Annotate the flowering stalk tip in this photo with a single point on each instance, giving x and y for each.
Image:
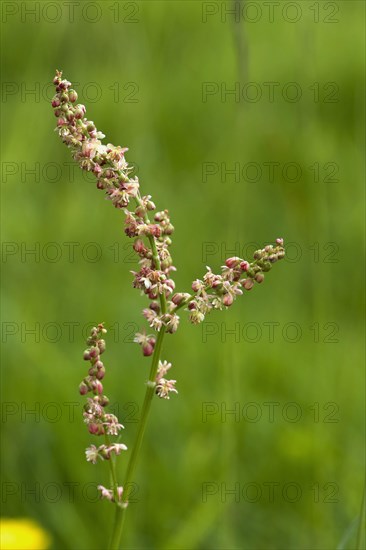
(151, 232)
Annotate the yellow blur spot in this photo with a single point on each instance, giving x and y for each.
(22, 534)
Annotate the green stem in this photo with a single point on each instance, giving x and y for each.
(112, 467)
(150, 390)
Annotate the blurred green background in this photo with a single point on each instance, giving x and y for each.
(153, 76)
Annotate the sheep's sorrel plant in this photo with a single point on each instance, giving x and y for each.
(154, 278)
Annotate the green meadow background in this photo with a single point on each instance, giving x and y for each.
(286, 468)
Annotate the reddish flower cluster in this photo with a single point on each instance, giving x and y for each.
(163, 386)
(151, 238)
(98, 421)
(219, 291)
(107, 162)
(112, 173)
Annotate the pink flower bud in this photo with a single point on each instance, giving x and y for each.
(259, 277)
(96, 429)
(154, 230)
(97, 387)
(279, 242)
(73, 96)
(86, 355)
(170, 283)
(101, 184)
(152, 293)
(248, 284)
(83, 388)
(177, 298)
(139, 246)
(101, 346)
(93, 352)
(55, 102)
(79, 111)
(216, 284)
(244, 266)
(168, 229)
(147, 350)
(196, 285)
(100, 374)
(232, 262)
(227, 300)
(103, 401)
(64, 84)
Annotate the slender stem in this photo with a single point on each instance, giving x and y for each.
(150, 390)
(112, 467)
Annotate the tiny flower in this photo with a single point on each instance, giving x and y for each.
(196, 317)
(198, 286)
(108, 493)
(105, 493)
(117, 448)
(147, 342)
(156, 323)
(164, 387)
(171, 321)
(162, 369)
(92, 454)
(112, 424)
